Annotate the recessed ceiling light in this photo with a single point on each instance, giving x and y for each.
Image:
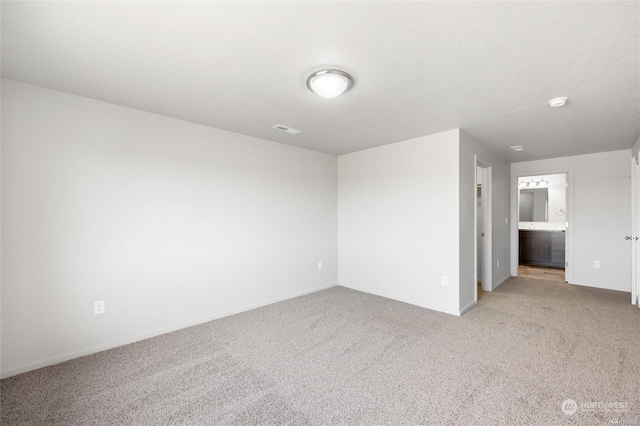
(287, 129)
(517, 148)
(329, 83)
(558, 102)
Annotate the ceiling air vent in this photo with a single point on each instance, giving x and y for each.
(286, 129)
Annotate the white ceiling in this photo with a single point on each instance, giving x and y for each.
(419, 67)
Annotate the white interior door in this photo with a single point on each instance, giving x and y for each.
(483, 237)
(480, 224)
(635, 225)
(486, 238)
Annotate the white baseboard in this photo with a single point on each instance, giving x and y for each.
(603, 287)
(466, 308)
(403, 300)
(471, 305)
(132, 339)
(499, 283)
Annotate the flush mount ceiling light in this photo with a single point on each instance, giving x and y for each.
(558, 102)
(329, 83)
(517, 148)
(287, 129)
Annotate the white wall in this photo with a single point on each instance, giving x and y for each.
(169, 222)
(635, 149)
(406, 218)
(500, 235)
(398, 208)
(600, 217)
(557, 190)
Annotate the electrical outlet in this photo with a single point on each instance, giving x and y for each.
(596, 263)
(498, 262)
(319, 265)
(445, 280)
(506, 220)
(98, 307)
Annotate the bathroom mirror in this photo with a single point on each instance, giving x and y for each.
(534, 205)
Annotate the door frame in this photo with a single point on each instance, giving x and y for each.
(486, 201)
(569, 232)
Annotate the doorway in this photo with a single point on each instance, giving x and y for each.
(542, 225)
(483, 240)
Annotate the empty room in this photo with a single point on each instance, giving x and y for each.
(319, 212)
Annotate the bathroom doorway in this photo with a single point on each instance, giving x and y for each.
(542, 225)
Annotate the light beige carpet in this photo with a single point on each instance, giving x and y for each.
(344, 357)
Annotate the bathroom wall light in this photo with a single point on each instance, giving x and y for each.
(329, 83)
(533, 183)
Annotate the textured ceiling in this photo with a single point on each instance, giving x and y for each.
(419, 67)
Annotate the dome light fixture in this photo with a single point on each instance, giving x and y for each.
(558, 102)
(329, 83)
